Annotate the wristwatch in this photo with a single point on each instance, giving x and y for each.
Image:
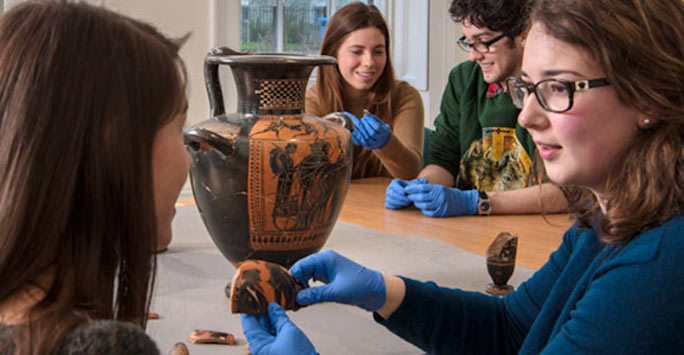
(484, 205)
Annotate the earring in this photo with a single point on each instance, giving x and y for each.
(645, 123)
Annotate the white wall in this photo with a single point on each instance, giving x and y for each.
(225, 31)
(212, 23)
(444, 55)
(176, 18)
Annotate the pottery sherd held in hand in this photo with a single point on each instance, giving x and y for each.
(258, 283)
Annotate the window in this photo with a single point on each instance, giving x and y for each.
(294, 26)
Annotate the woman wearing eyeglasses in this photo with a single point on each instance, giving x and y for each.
(602, 94)
(387, 114)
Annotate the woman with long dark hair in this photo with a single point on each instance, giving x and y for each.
(388, 113)
(92, 108)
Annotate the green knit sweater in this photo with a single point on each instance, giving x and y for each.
(477, 138)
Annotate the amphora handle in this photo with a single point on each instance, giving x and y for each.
(197, 139)
(211, 77)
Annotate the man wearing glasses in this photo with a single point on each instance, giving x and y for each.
(480, 158)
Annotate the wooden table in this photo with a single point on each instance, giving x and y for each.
(365, 205)
(538, 235)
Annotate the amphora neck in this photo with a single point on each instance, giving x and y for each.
(267, 84)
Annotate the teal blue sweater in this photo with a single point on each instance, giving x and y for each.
(588, 298)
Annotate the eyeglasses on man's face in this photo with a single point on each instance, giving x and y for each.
(480, 47)
(554, 95)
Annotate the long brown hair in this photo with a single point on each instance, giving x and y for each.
(640, 46)
(83, 93)
(329, 82)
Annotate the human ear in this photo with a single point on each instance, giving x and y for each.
(522, 37)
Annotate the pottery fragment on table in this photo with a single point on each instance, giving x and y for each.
(152, 316)
(202, 336)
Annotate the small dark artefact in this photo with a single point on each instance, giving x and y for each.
(201, 336)
(258, 283)
(501, 263)
(179, 349)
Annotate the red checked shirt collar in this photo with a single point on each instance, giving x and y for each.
(494, 89)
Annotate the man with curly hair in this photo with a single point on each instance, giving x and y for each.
(480, 158)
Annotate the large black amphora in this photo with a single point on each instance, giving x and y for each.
(269, 180)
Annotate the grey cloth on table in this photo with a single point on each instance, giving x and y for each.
(192, 274)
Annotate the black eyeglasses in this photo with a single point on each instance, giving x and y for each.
(480, 47)
(554, 95)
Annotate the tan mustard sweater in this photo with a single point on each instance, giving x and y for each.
(402, 156)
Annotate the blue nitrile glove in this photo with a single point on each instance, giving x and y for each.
(396, 197)
(442, 201)
(346, 281)
(274, 334)
(370, 131)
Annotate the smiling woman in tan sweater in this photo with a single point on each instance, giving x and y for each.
(363, 79)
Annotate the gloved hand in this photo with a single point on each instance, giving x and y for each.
(442, 201)
(346, 281)
(396, 197)
(369, 131)
(274, 334)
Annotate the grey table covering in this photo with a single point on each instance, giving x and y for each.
(189, 290)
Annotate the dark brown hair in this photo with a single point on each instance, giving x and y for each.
(506, 16)
(329, 82)
(640, 46)
(83, 93)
